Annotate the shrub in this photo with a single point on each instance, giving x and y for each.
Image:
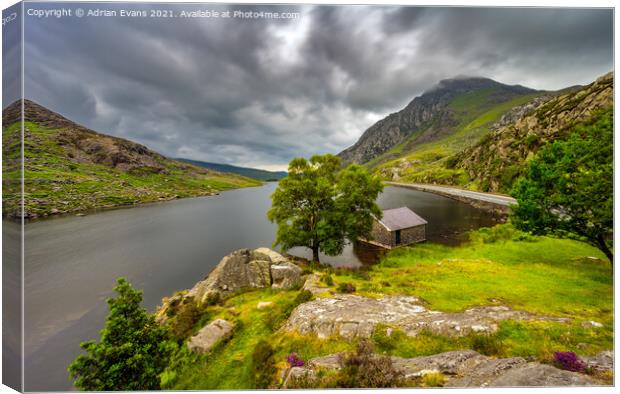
(213, 298)
(346, 288)
(359, 369)
(263, 364)
(451, 162)
(182, 325)
(381, 338)
(569, 361)
(327, 279)
(180, 360)
(487, 344)
(364, 369)
(301, 298)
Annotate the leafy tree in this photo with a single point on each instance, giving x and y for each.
(133, 350)
(320, 206)
(569, 186)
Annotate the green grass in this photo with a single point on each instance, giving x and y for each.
(56, 183)
(542, 275)
(230, 365)
(500, 266)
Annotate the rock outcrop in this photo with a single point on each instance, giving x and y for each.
(248, 269)
(313, 284)
(242, 269)
(462, 368)
(354, 316)
(210, 335)
(601, 363)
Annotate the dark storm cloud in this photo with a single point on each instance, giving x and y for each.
(259, 92)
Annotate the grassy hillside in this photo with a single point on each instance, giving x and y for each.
(500, 266)
(428, 162)
(254, 173)
(68, 168)
(498, 159)
(490, 145)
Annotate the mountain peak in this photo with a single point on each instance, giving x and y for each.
(34, 112)
(432, 115)
(463, 83)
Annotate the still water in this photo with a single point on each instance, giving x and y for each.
(72, 262)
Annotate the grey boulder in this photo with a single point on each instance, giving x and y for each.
(210, 335)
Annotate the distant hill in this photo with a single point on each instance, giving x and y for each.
(255, 173)
(69, 168)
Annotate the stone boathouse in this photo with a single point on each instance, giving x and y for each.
(399, 226)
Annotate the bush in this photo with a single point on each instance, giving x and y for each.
(263, 364)
(346, 288)
(182, 325)
(381, 338)
(180, 361)
(568, 361)
(451, 162)
(327, 279)
(213, 298)
(301, 298)
(364, 369)
(359, 369)
(487, 344)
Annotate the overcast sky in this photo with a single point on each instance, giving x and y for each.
(260, 92)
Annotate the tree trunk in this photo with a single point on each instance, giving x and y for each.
(602, 245)
(315, 253)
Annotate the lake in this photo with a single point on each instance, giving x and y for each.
(72, 262)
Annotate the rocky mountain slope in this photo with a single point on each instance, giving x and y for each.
(437, 113)
(491, 151)
(70, 168)
(493, 163)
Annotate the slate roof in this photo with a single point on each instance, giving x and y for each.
(401, 218)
